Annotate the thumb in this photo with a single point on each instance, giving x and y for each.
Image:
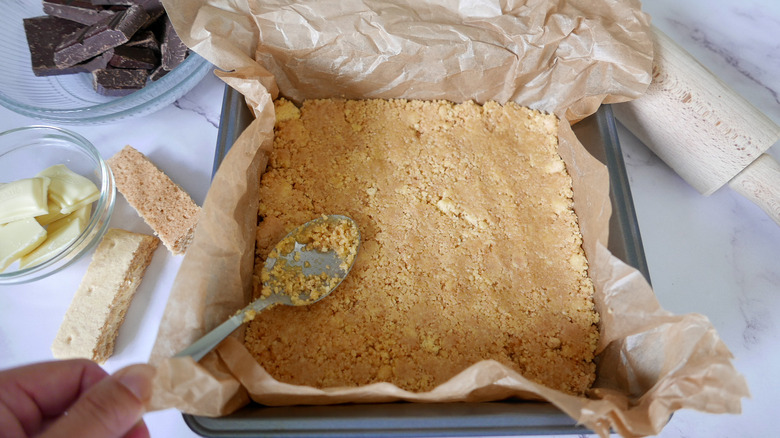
(108, 409)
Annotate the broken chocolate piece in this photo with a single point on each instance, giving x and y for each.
(43, 35)
(133, 57)
(80, 11)
(148, 5)
(174, 51)
(154, 8)
(113, 2)
(118, 81)
(92, 64)
(144, 39)
(105, 37)
(158, 73)
(99, 37)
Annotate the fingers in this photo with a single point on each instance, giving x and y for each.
(110, 408)
(10, 425)
(138, 431)
(98, 405)
(32, 394)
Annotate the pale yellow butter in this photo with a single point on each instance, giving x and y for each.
(69, 189)
(24, 198)
(81, 215)
(54, 214)
(58, 199)
(60, 234)
(19, 238)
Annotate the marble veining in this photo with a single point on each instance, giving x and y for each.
(740, 41)
(757, 318)
(757, 289)
(201, 100)
(186, 105)
(730, 54)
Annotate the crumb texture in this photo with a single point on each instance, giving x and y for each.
(98, 309)
(330, 239)
(470, 246)
(162, 204)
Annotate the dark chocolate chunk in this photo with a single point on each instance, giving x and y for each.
(118, 81)
(43, 35)
(99, 37)
(144, 39)
(146, 4)
(157, 73)
(123, 43)
(174, 51)
(133, 57)
(113, 2)
(154, 8)
(80, 11)
(98, 62)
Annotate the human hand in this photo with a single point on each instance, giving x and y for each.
(74, 398)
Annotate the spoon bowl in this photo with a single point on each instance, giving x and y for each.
(310, 261)
(303, 268)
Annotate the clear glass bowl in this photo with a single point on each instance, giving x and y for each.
(26, 151)
(70, 99)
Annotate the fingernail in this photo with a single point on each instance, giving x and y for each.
(138, 379)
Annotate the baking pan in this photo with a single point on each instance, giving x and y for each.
(513, 417)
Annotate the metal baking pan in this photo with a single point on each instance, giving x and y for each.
(513, 417)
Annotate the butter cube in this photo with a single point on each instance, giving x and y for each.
(19, 238)
(81, 215)
(69, 189)
(54, 214)
(24, 198)
(60, 234)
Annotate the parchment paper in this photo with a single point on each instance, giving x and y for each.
(563, 57)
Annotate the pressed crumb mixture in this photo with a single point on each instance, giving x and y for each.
(470, 246)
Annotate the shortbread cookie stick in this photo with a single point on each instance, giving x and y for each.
(162, 204)
(98, 309)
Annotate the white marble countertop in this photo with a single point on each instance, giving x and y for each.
(718, 255)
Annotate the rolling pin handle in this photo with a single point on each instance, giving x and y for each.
(703, 129)
(760, 183)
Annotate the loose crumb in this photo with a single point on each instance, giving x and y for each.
(249, 315)
(338, 235)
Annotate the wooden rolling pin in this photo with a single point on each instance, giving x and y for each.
(703, 130)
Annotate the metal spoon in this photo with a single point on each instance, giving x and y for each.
(300, 261)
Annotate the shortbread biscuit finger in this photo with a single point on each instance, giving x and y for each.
(98, 309)
(163, 205)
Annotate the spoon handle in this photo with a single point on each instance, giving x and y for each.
(208, 342)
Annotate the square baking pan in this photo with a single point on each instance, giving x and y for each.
(512, 417)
